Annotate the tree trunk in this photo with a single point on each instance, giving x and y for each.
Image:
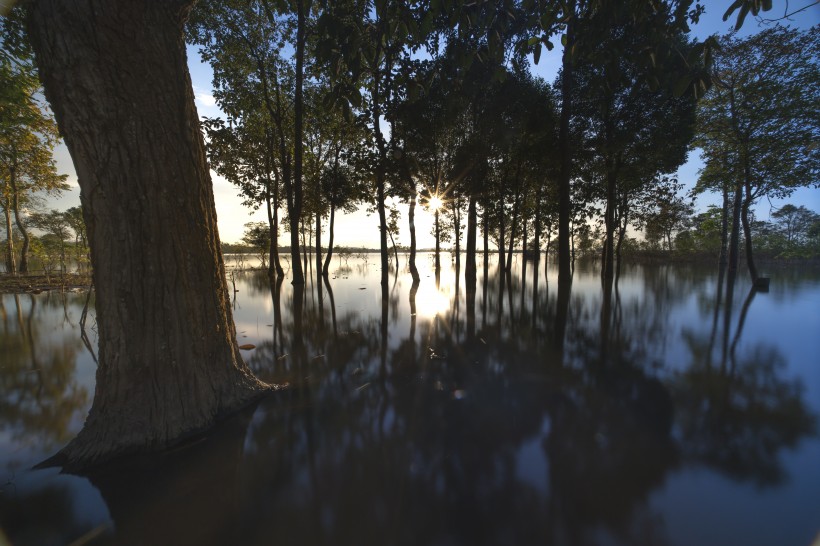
(298, 107)
(470, 267)
(169, 364)
(734, 241)
(11, 263)
(330, 228)
(457, 222)
(411, 215)
(274, 267)
(501, 235)
(608, 265)
(747, 233)
(438, 242)
(724, 228)
(485, 221)
(15, 203)
(318, 245)
(537, 237)
(564, 204)
(622, 223)
(513, 226)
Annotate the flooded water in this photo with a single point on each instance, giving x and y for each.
(518, 414)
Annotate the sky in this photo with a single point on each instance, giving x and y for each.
(361, 229)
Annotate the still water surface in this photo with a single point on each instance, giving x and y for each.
(511, 416)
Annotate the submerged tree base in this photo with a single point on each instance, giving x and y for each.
(97, 445)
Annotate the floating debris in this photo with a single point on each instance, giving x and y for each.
(247, 347)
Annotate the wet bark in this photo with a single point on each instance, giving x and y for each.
(117, 79)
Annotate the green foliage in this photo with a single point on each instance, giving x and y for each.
(758, 125)
(257, 236)
(793, 233)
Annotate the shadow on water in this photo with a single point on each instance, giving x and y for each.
(554, 417)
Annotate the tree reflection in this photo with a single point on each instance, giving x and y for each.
(553, 419)
(740, 415)
(39, 394)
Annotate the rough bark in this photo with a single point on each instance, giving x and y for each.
(116, 76)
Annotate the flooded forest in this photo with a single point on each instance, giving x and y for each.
(484, 306)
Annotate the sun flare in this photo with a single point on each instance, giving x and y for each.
(435, 202)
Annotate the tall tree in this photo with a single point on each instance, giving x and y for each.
(28, 134)
(757, 125)
(243, 42)
(581, 24)
(361, 43)
(169, 363)
(632, 133)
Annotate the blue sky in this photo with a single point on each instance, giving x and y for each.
(361, 229)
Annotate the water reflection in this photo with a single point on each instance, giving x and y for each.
(504, 409)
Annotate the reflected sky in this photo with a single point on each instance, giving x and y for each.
(452, 415)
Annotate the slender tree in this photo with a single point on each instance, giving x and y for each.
(756, 117)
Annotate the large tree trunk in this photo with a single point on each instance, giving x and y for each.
(116, 76)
